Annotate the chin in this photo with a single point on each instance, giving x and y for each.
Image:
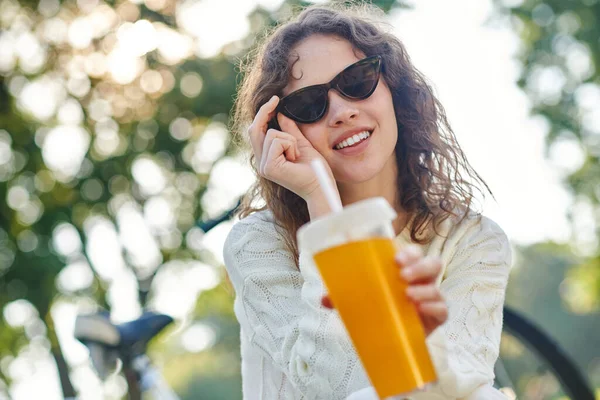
(362, 170)
(357, 175)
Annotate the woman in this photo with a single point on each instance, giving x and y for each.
(376, 124)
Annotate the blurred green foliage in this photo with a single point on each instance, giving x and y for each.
(539, 290)
(560, 54)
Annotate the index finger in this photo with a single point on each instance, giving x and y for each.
(264, 114)
(257, 129)
(427, 270)
(289, 126)
(409, 255)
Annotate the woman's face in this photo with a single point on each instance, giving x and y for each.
(320, 58)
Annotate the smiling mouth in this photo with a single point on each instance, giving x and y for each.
(353, 140)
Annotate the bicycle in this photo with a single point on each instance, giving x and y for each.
(108, 343)
(557, 376)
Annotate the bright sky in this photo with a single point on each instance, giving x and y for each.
(472, 68)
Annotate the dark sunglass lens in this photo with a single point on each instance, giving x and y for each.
(307, 105)
(359, 81)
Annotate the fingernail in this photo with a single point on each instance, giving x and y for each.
(401, 257)
(412, 250)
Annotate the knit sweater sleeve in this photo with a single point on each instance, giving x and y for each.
(279, 310)
(466, 347)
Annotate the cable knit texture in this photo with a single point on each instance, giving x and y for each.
(294, 348)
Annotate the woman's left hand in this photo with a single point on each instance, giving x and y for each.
(421, 274)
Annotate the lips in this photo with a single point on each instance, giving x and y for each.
(354, 149)
(347, 135)
(353, 140)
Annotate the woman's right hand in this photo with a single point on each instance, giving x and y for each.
(285, 156)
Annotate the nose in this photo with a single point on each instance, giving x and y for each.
(341, 110)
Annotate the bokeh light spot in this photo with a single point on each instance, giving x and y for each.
(17, 197)
(92, 189)
(191, 84)
(151, 81)
(64, 148)
(198, 337)
(74, 277)
(148, 174)
(180, 129)
(17, 313)
(27, 241)
(66, 240)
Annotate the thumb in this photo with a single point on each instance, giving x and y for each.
(289, 126)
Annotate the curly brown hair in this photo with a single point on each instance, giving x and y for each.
(435, 180)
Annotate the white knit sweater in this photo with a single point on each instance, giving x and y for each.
(293, 348)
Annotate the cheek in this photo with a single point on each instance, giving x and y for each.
(314, 134)
(382, 105)
(386, 115)
(386, 102)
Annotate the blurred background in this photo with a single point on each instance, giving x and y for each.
(114, 144)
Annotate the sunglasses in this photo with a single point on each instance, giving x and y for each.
(356, 82)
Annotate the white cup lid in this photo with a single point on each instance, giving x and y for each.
(356, 221)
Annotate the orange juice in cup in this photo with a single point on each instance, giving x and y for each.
(354, 253)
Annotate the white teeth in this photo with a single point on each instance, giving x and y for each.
(353, 140)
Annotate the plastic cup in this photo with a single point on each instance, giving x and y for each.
(354, 253)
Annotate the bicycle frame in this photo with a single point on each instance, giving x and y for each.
(152, 381)
(142, 377)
